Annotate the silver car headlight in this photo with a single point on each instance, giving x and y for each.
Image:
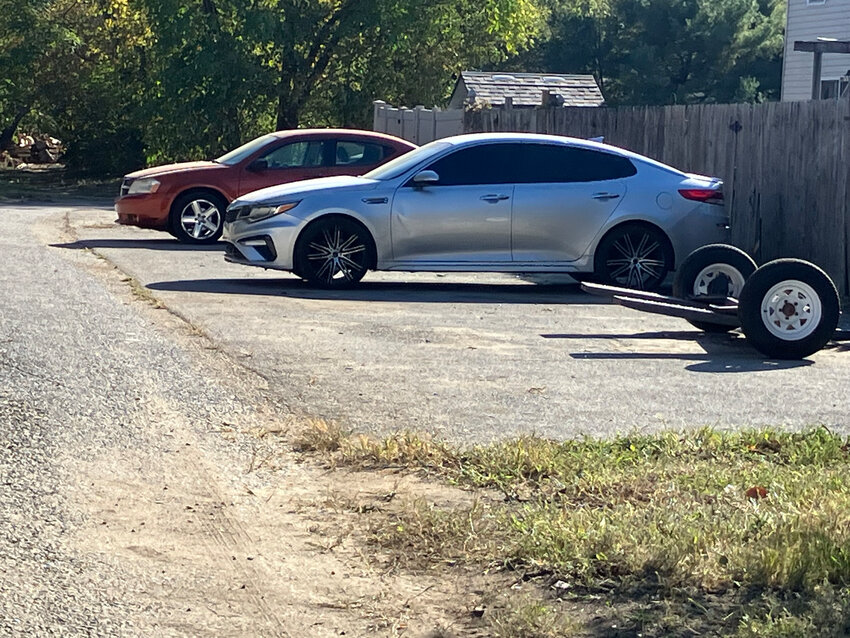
(143, 186)
(258, 213)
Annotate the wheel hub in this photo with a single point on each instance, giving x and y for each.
(791, 310)
(636, 259)
(718, 280)
(200, 219)
(336, 255)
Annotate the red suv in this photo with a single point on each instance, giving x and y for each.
(189, 199)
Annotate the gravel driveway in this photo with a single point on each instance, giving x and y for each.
(85, 384)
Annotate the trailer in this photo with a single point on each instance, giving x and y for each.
(787, 308)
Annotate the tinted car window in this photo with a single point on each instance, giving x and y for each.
(396, 167)
(351, 153)
(483, 164)
(547, 163)
(296, 154)
(238, 154)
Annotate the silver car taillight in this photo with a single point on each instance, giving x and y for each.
(707, 195)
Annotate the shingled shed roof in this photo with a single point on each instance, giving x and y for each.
(526, 89)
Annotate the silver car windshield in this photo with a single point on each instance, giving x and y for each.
(238, 154)
(403, 163)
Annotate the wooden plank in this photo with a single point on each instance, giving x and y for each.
(823, 46)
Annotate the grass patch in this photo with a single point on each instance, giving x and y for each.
(526, 617)
(53, 184)
(721, 533)
(142, 293)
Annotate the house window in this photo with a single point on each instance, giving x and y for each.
(811, 2)
(834, 89)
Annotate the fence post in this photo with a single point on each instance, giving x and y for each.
(379, 113)
(434, 112)
(417, 118)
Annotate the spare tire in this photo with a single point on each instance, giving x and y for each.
(715, 270)
(789, 309)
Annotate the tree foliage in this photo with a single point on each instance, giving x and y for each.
(128, 81)
(65, 63)
(670, 51)
(226, 69)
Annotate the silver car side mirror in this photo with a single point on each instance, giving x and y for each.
(424, 178)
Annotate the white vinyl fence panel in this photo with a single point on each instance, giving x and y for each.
(418, 125)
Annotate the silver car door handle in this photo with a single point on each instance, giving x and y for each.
(494, 198)
(375, 200)
(605, 196)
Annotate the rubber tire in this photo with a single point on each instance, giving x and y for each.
(169, 227)
(601, 273)
(753, 294)
(686, 274)
(176, 228)
(306, 268)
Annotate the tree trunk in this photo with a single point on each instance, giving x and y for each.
(287, 113)
(8, 133)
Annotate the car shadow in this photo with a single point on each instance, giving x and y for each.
(682, 335)
(144, 244)
(724, 353)
(402, 291)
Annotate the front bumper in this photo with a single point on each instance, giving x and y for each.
(268, 244)
(146, 211)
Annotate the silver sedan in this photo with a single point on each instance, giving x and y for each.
(497, 202)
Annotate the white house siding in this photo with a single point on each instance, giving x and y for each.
(830, 19)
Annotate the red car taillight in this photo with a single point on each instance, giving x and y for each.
(707, 195)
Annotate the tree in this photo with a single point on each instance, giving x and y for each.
(413, 53)
(203, 90)
(27, 40)
(223, 70)
(670, 51)
(66, 66)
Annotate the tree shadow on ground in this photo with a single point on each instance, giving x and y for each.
(652, 611)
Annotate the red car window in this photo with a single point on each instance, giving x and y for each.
(356, 153)
(295, 155)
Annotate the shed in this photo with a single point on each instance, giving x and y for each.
(525, 89)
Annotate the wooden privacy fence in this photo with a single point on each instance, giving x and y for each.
(784, 164)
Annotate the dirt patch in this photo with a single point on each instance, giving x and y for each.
(288, 554)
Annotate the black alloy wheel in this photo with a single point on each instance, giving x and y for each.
(334, 252)
(633, 256)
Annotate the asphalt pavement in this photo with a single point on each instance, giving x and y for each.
(472, 357)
